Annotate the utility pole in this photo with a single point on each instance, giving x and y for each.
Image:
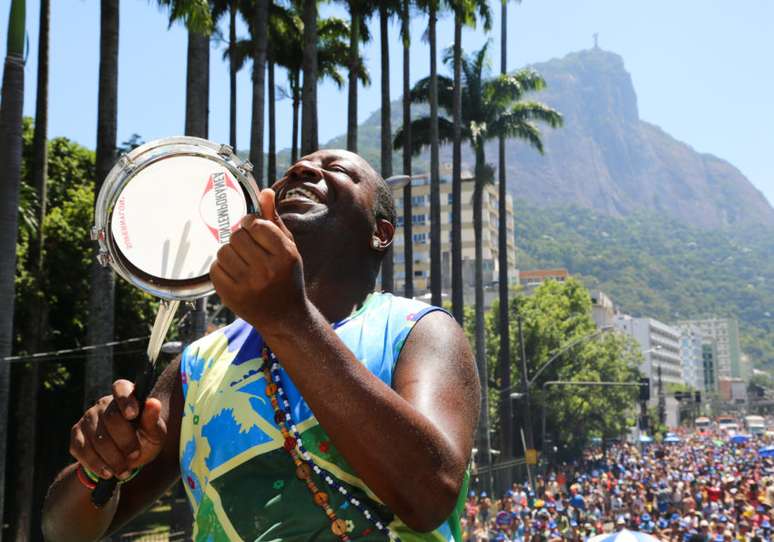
(661, 399)
(525, 390)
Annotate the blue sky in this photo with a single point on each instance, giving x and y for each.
(701, 69)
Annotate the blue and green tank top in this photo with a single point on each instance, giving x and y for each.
(240, 481)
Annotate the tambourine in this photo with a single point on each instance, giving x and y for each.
(165, 209)
(161, 216)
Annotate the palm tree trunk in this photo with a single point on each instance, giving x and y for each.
(354, 61)
(435, 189)
(502, 255)
(232, 140)
(197, 85)
(456, 227)
(388, 266)
(484, 437)
(197, 92)
(271, 171)
(294, 86)
(27, 403)
(11, 109)
(408, 233)
(309, 142)
(260, 27)
(99, 363)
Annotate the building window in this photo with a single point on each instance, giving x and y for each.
(418, 219)
(451, 198)
(419, 273)
(417, 200)
(420, 238)
(399, 221)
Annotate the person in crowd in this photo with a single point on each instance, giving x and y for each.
(702, 488)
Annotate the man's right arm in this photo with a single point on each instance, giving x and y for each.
(106, 438)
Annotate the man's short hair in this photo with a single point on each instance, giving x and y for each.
(384, 206)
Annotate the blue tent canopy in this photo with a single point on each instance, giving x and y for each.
(739, 439)
(768, 451)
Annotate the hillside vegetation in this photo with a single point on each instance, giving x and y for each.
(651, 265)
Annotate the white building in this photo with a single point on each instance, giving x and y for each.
(724, 332)
(420, 220)
(692, 353)
(660, 346)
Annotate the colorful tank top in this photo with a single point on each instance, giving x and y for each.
(240, 481)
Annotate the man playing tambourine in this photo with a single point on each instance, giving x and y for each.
(325, 411)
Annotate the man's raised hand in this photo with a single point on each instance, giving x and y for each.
(259, 274)
(107, 442)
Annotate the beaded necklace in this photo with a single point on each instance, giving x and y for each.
(303, 460)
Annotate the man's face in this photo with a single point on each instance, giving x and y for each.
(325, 187)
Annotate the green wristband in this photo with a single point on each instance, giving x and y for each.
(91, 475)
(135, 472)
(94, 477)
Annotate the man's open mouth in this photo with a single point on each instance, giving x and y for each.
(299, 193)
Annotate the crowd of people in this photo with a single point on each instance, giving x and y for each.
(701, 486)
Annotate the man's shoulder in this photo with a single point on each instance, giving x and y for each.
(398, 306)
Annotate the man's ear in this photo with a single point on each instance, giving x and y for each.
(382, 236)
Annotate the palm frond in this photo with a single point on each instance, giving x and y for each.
(530, 80)
(420, 92)
(243, 50)
(195, 14)
(517, 127)
(332, 28)
(420, 134)
(537, 111)
(502, 90)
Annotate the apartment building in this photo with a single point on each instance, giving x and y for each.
(420, 216)
(660, 347)
(724, 332)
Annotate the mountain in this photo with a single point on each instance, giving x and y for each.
(666, 231)
(605, 158)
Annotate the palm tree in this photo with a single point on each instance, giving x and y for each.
(309, 140)
(435, 180)
(99, 363)
(464, 13)
(503, 319)
(11, 157)
(286, 50)
(259, 29)
(490, 107)
(359, 12)
(219, 8)
(408, 252)
(26, 404)
(386, 10)
(271, 169)
(197, 16)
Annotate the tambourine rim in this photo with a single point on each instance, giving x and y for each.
(128, 168)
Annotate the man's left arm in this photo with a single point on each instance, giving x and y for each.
(410, 443)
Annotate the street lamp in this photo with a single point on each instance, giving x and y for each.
(661, 397)
(527, 383)
(388, 266)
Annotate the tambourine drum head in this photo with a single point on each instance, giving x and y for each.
(170, 219)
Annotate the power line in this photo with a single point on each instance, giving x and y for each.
(58, 353)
